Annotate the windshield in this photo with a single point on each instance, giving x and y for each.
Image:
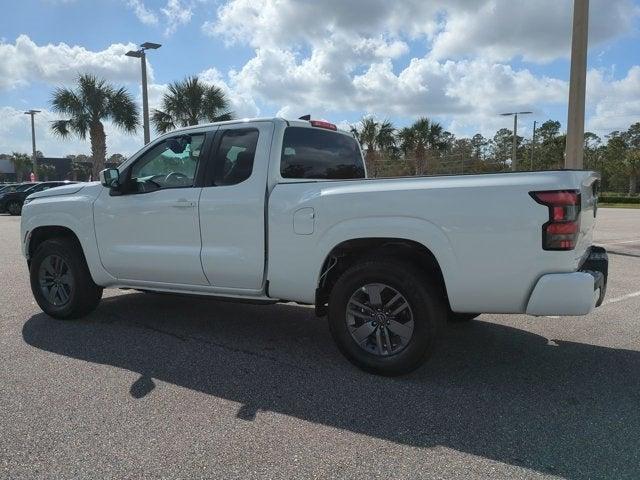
(32, 188)
(24, 187)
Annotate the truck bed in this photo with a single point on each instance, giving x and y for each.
(484, 230)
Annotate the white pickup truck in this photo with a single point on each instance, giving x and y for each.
(271, 210)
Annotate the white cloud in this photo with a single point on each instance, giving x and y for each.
(337, 56)
(613, 104)
(494, 29)
(269, 23)
(472, 90)
(176, 13)
(538, 31)
(15, 135)
(145, 15)
(242, 103)
(25, 62)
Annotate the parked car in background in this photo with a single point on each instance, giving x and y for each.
(18, 187)
(8, 187)
(12, 202)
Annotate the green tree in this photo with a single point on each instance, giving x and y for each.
(632, 136)
(593, 153)
(631, 167)
(613, 167)
(189, 102)
(422, 144)
(378, 141)
(91, 103)
(501, 149)
(479, 145)
(22, 165)
(117, 158)
(46, 172)
(459, 157)
(550, 146)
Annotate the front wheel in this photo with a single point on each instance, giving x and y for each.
(385, 316)
(61, 282)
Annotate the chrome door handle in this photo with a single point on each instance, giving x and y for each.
(183, 203)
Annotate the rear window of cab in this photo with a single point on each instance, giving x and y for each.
(312, 153)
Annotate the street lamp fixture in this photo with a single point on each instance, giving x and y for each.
(514, 154)
(34, 158)
(145, 98)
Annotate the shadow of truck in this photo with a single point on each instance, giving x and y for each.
(561, 408)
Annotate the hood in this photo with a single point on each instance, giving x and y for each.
(63, 190)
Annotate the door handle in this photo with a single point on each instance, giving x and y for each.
(184, 203)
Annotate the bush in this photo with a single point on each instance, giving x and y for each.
(618, 199)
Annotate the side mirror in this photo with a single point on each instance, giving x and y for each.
(110, 178)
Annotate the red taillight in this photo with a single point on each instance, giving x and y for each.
(562, 229)
(323, 124)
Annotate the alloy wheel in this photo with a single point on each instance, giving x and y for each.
(380, 319)
(56, 281)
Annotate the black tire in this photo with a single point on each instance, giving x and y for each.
(14, 208)
(425, 301)
(462, 317)
(83, 296)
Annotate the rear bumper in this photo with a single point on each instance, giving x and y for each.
(575, 293)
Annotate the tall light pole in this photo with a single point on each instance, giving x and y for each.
(34, 158)
(514, 154)
(533, 142)
(145, 99)
(577, 85)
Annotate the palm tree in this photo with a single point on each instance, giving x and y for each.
(188, 102)
(422, 139)
(88, 106)
(376, 139)
(407, 140)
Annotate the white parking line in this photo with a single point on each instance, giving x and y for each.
(622, 298)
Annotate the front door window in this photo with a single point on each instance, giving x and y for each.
(172, 163)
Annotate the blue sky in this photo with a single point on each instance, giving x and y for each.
(459, 61)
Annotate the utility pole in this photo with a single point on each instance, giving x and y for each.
(514, 154)
(145, 99)
(574, 152)
(34, 158)
(533, 142)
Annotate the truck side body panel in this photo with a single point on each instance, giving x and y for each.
(484, 230)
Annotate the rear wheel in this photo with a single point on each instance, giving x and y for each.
(385, 316)
(14, 208)
(61, 282)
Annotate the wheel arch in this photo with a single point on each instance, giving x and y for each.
(47, 232)
(34, 234)
(349, 252)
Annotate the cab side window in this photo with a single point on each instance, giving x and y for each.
(234, 157)
(172, 163)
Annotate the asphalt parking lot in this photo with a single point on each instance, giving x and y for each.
(154, 386)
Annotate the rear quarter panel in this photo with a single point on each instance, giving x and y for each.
(484, 230)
